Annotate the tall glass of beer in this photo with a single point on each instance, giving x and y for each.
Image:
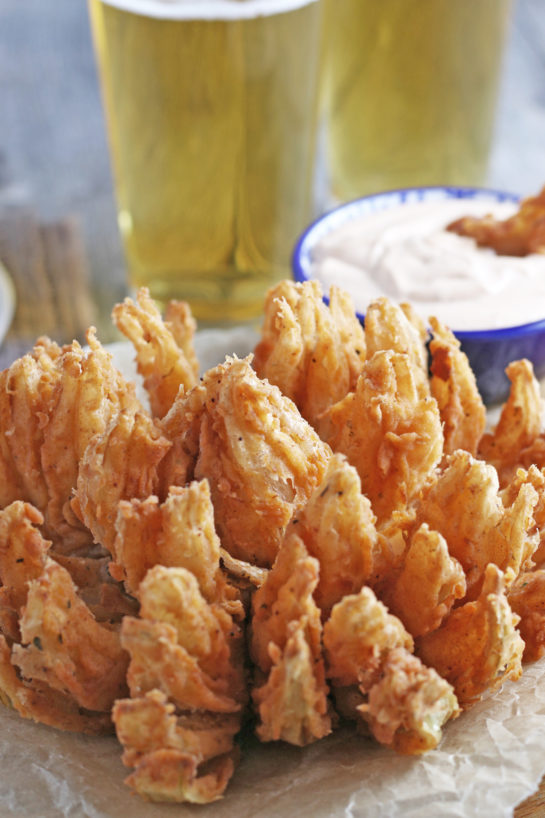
(409, 91)
(211, 107)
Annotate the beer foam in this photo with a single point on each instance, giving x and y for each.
(208, 9)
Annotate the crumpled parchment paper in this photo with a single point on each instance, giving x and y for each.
(491, 758)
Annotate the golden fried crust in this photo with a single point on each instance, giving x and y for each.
(464, 506)
(286, 646)
(26, 395)
(398, 328)
(184, 646)
(177, 533)
(23, 555)
(285, 596)
(526, 597)
(519, 427)
(149, 723)
(454, 387)
(36, 700)
(312, 352)
(64, 646)
(478, 646)
(292, 704)
(357, 637)
(205, 630)
(121, 462)
(408, 706)
(162, 363)
(519, 235)
(337, 527)
(261, 458)
(157, 661)
(390, 434)
(536, 478)
(172, 776)
(187, 683)
(429, 583)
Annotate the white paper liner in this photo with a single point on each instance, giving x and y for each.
(491, 758)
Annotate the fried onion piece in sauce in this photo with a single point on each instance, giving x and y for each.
(165, 365)
(478, 646)
(519, 235)
(454, 387)
(388, 432)
(311, 351)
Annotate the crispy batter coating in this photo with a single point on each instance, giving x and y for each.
(261, 458)
(464, 506)
(183, 646)
(26, 396)
(166, 749)
(389, 326)
(519, 235)
(387, 431)
(120, 463)
(520, 425)
(313, 352)
(285, 596)
(527, 599)
(150, 723)
(292, 704)
(89, 393)
(357, 637)
(187, 683)
(409, 705)
(429, 583)
(478, 646)
(536, 478)
(23, 555)
(337, 527)
(285, 645)
(177, 533)
(36, 700)
(162, 362)
(454, 387)
(65, 647)
(171, 776)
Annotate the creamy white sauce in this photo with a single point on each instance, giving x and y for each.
(406, 253)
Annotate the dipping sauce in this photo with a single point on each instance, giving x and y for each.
(404, 252)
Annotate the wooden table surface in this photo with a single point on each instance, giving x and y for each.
(58, 234)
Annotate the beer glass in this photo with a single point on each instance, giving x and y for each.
(211, 108)
(409, 91)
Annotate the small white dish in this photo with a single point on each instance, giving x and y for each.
(7, 302)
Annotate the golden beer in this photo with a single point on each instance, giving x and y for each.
(211, 110)
(409, 91)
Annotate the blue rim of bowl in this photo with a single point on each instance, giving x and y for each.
(321, 226)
